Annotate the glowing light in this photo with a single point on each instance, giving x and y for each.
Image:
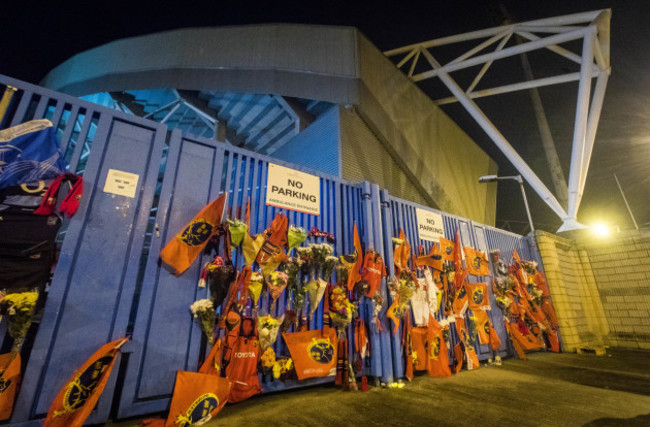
(600, 229)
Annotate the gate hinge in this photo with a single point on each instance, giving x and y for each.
(365, 196)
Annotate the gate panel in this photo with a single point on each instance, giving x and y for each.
(92, 287)
(165, 337)
(400, 214)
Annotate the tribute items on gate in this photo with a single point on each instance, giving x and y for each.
(430, 288)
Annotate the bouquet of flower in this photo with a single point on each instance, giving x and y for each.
(503, 302)
(320, 252)
(276, 282)
(342, 273)
(237, 230)
(295, 237)
(307, 260)
(19, 307)
(341, 309)
(267, 361)
(267, 330)
(291, 267)
(328, 267)
(219, 276)
(255, 287)
(282, 366)
(203, 310)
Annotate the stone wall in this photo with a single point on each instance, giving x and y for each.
(600, 288)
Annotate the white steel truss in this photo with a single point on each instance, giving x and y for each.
(590, 27)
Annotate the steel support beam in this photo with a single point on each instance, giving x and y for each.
(498, 139)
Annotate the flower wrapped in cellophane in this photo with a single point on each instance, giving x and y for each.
(255, 288)
(341, 309)
(276, 282)
(329, 264)
(237, 230)
(267, 330)
(320, 252)
(19, 308)
(218, 276)
(315, 290)
(203, 310)
(295, 237)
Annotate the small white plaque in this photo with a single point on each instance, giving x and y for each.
(121, 183)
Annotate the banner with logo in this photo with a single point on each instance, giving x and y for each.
(197, 398)
(79, 396)
(476, 261)
(313, 352)
(9, 383)
(182, 249)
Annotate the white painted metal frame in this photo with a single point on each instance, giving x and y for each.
(590, 27)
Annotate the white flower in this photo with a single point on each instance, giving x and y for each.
(200, 306)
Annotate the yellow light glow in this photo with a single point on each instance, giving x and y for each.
(600, 229)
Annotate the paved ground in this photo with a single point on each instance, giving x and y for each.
(548, 389)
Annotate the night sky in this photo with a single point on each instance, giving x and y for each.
(36, 38)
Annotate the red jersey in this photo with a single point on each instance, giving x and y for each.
(373, 271)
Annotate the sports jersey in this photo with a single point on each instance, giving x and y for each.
(373, 271)
(242, 369)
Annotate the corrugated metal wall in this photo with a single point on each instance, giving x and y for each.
(318, 147)
(363, 157)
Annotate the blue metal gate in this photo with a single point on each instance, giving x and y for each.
(108, 283)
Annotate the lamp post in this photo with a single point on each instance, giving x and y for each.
(493, 178)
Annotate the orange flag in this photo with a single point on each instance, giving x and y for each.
(477, 263)
(477, 296)
(437, 355)
(354, 276)
(460, 302)
(197, 398)
(447, 249)
(313, 352)
(79, 396)
(402, 253)
(483, 327)
(9, 383)
(183, 249)
(470, 352)
(433, 259)
(212, 364)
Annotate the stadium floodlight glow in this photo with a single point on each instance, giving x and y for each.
(601, 229)
(493, 178)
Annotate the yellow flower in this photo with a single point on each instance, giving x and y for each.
(277, 371)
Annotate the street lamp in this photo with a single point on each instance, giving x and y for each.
(492, 178)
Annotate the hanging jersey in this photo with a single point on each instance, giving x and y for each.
(242, 368)
(373, 271)
(437, 354)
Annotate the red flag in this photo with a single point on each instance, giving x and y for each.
(183, 249)
(477, 263)
(355, 275)
(447, 249)
(197, 398)
(79, 396)
(9, 383)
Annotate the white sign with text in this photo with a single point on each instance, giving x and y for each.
(430, 225)
(291, 189)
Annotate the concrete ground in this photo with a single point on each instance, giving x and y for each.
(547, 390)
